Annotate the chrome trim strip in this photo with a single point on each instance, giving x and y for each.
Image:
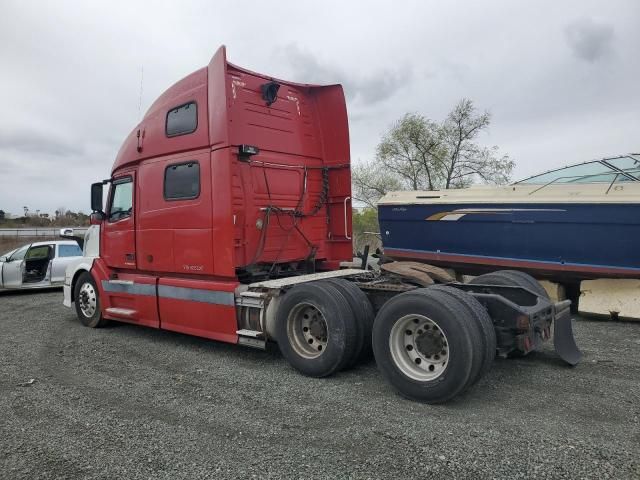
(119, 286)
(167, 291)
(197, 295)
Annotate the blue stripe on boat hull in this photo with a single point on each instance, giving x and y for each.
(585, 239)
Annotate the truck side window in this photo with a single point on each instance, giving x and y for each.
(182, 120)
(182, 181)
(121, 199)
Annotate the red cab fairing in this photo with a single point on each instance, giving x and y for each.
(283, 208)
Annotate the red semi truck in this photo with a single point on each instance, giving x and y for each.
(227, 217)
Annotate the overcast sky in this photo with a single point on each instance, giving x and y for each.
(560, 78)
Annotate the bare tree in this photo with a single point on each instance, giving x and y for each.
(417, 153)
(408, 149)
(371, 181)
(463, 161)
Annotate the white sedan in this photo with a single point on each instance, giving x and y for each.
(37, 265)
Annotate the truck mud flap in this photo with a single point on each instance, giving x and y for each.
(563, 339)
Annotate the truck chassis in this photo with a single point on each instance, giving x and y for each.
(504, 320)
(431, 343)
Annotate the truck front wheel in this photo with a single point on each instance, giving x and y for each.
(87, 302)
(425, 346)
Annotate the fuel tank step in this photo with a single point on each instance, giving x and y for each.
(251, 338)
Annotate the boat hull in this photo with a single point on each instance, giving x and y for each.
(560, 240)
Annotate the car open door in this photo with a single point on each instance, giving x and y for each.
(37, 265)
(13, 269)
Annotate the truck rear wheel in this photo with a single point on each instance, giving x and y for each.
(316, 329)
(425, 345)
(511, 278)
(363, 314)
(87, 300)
(485, 329)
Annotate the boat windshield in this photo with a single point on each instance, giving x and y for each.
(610, 170)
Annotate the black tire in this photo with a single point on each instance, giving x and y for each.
(451, 318)
(330, 306)
(83, 295)
(363, 313)
(485, 328)
(511, 278)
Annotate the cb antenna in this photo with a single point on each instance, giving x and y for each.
(140, 98)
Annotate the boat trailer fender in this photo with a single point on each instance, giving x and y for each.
(563, 339)
(417, 272)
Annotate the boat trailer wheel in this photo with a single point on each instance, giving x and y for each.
(419, 347)
(88, 302)
(307, 330)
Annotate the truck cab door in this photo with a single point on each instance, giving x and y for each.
(13, 269)
(119, 247)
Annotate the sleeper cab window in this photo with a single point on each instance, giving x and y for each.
(182, 181)
(182, 120)
(121, 199)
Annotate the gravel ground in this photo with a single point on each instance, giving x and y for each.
(131, 402)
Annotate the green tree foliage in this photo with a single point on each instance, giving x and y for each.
(420, 154)
(365, 228)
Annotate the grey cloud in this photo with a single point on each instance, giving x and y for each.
(69, 103)
(33, 141)
(369, 89)
(589, 41)
(7, 165)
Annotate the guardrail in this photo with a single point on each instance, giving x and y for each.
(38, 231)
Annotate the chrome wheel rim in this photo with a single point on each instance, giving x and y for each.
(87, 299)
(419, 347)
(307, 330)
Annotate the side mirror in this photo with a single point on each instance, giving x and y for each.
(96, 218)
(3, 259)
(96, 197)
